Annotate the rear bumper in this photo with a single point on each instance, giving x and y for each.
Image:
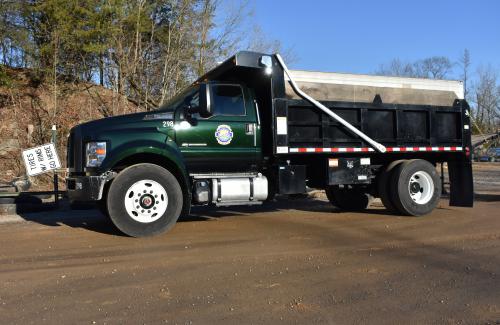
(85, 188)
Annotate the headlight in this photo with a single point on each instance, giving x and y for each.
(95, 153)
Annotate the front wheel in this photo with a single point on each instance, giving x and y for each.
(144, 200)
(416, 187)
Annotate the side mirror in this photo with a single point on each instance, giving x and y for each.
(203, 108)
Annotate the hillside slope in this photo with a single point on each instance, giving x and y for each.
(29, 106)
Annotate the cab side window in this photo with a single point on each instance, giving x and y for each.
(228, 100)
(190, 96)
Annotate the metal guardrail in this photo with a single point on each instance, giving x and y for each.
(7, 193)
(478, 140)
(32, 193)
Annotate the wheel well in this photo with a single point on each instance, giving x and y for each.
(152, 159)
(160, 161)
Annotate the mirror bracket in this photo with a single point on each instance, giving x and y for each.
(205, 109)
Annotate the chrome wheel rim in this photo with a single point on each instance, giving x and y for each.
(146, 201)
(421, 187)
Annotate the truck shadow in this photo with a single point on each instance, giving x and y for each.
(487, 197)
(90, 219)
(93, 220)
(281, 204)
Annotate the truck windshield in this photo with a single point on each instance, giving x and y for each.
(174, 102)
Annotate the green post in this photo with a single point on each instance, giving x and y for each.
(56, 178)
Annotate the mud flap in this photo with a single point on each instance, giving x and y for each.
(461, 183)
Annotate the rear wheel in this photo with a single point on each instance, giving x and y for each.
(348, 198)
(415, 187)
(144, 200)
(383, 185)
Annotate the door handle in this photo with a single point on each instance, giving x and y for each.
(249, 129)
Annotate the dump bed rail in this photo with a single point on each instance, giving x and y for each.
(327, 111)
(302, 128)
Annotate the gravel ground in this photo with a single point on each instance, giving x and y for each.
(299, 261)
(487, 177)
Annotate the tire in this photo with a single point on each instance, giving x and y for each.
(350, 199)
(330, 194)
(103, 207)
(416, 187)
(383, 185)
(144, 200)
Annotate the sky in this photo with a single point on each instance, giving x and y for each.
(357, 36)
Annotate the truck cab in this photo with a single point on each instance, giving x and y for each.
(218, 131)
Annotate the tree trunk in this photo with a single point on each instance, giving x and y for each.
(101, 69)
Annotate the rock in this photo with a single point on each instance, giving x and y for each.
(21, 184)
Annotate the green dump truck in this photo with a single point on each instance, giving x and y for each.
(248, 130)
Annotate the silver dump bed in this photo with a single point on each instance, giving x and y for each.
(328, 86)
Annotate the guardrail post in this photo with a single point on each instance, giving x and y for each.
(56, 176)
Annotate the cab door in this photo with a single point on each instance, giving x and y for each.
(227, 141)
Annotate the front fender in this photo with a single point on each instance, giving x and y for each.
(168, 150)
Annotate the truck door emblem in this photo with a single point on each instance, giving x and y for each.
(224, 134)
(350, 164)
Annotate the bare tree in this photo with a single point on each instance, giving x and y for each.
(259, 41)
(146, 50)
(435, 67)
(487, 100)
(465, 63)
(397, 68)
(221, 31)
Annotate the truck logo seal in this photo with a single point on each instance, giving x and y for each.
(224, 134)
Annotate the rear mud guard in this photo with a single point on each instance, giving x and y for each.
(461, 184)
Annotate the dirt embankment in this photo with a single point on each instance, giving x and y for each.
(30, 105)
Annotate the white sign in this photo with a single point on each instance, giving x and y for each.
(41, 159)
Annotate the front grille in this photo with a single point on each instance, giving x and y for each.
(70, 184)
(75, 153)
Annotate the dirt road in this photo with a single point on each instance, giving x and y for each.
(301, 263)
(298, 261)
